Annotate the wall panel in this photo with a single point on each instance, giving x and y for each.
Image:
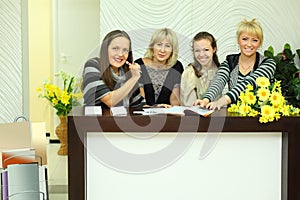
(279, 19)
(11, 94)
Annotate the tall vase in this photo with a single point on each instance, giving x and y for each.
(62, 134)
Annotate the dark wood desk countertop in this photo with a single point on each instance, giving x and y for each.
(219, 121)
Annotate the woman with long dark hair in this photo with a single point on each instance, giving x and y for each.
(197, 76)
(110, 79)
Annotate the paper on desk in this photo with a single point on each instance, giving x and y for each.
(118, 111)
(175, 110)
(151, 111)
(93, 110)
(201, 111)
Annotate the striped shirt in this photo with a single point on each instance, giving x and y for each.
(94, 88)
(237, 82)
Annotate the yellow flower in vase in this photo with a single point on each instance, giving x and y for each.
(62, 99)
(54, 101)
(65, 98)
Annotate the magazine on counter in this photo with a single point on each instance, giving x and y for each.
(175, 110)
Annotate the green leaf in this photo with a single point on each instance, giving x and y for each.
(271, 49)
(288, 54)
(287, 46)
(298, 97)
(298, 52)
(277, 58)
(69, 90)
(268, 54)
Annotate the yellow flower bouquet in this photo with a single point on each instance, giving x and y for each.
(62, 99)
(266, 101)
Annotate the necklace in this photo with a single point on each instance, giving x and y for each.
(246, 67)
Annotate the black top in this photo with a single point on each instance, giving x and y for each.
(172, 80)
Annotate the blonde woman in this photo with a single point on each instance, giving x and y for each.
(161, 71)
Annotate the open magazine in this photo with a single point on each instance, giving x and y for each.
(176, 110)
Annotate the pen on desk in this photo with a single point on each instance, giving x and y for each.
(128, 63)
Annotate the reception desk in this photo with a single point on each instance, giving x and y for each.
(89, 172)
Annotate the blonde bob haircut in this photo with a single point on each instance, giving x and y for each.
(160, 35)
(251, 27)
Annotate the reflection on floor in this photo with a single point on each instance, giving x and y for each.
(57, 173)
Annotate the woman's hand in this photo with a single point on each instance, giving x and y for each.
(135, 70)
(201, 102)
(223, 101)
(162, 105)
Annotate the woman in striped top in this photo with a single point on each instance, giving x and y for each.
(111, 80)
(241, 69)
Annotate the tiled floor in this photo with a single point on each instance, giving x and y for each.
(57, 173)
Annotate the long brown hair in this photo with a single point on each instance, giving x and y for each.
(104, 60)
(199, 36)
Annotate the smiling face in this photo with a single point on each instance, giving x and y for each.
(162, 51)
(248, 44)
(118, 51)
(203, 52)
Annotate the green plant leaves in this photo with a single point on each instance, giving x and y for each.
(288, 54)
(269, 53)
(286, 72)
(287, 46)
(298, 52)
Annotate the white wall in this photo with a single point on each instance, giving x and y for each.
(81, 25)
(279, 19)
(76, 33)
(11, 67)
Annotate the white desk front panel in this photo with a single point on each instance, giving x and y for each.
(239, 166)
